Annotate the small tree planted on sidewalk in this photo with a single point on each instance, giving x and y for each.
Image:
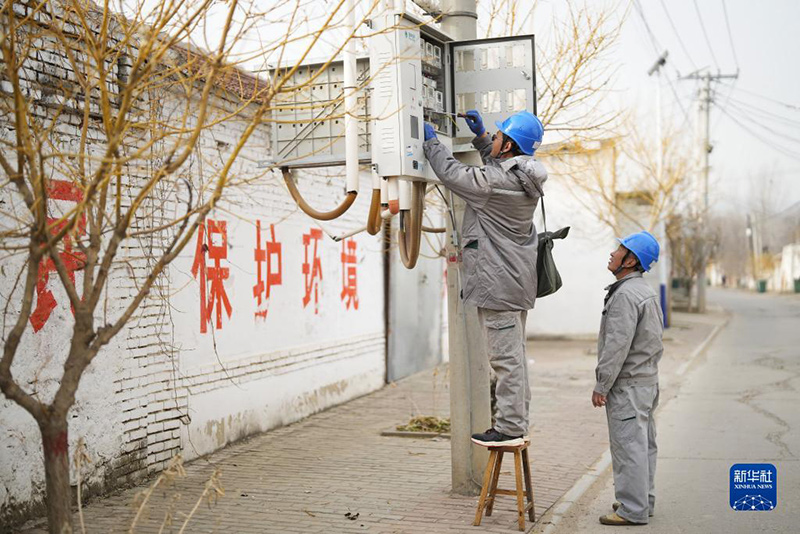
(84, 117)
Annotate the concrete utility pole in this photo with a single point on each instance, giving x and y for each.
(751, 247)
(469, 373)
(663, 262)
(706, 99)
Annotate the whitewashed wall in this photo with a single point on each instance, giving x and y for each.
(257, 372)
(163, 387)
(581, 259)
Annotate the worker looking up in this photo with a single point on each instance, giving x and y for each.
(628, 350)
(499, 252)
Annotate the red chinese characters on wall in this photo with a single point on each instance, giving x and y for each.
(313, 269)
(272, 276)
(349, 275)
(212, 238)
(212, 248)
(73, 260)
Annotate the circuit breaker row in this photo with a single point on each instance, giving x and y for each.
(433, 85)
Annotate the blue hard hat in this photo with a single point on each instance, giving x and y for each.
(644, 246)
(525, 129)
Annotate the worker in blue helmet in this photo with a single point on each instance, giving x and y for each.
(499, 249)
(524, 128)
(629, 348)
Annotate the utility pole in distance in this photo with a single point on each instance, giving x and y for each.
(706, 99)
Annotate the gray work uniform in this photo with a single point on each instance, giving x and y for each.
(500, 245)
(628, 350)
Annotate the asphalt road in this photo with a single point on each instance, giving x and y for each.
(738, 403)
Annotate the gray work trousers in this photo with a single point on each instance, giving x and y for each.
(632, 436)
(504, 332)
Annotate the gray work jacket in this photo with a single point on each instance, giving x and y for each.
(629, 345)
(499, 238)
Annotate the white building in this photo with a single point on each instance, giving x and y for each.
(788, 270)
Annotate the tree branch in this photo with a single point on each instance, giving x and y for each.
(9, 387)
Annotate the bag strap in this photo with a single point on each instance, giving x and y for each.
(541, 199)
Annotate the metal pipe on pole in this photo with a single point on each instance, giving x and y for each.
(470, 410)
(705, 149)
(350, 100)
(663, 263)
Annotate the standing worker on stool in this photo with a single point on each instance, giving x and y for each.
(499, 255)
(628, 350)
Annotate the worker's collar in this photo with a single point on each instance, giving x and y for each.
(613, 287)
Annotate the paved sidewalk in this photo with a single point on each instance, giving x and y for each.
(306, 477)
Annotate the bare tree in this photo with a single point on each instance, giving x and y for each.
(693, 243)
(751, 237)
(86, 93)
(733, 256)
(613, 176)
(597, 150)
(665, 184)
(771, 216)
(573, 67)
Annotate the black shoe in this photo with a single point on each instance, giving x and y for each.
(493, 438)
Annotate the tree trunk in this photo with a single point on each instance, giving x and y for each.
(56, 472)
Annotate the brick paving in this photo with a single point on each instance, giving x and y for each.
(305, 478)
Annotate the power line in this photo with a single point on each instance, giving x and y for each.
(653, 40)
(781, 213)
(765, 113)
(725, 105)
(783, 150)
(705, 34)
(678, 100)
(678, 35)
(659, 51)
(730, 35)
(790, 106)
(753, 121)
(735, 58)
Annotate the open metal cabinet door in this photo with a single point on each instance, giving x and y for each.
(495, 76)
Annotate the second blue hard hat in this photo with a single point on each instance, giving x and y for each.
(644, 246)
(525, 129)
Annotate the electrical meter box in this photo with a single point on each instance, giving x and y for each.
(414, 74)
(495, 76)
(307, 122)
(421, 75)
(408, 72)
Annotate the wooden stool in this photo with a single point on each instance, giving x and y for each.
(492, 474)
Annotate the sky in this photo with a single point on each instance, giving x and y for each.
(755, 125)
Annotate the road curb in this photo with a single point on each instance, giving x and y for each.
(565, 503)
(568, 500)
(702, 348)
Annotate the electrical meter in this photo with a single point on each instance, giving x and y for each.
(421, 75)
(406, 80)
